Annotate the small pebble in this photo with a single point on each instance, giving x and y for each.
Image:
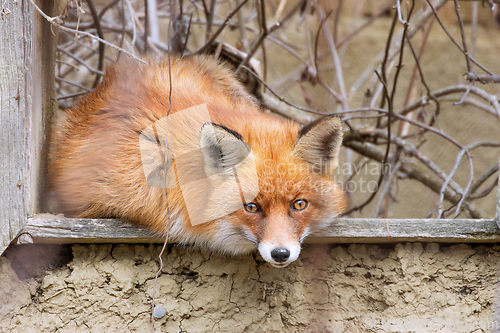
(159, 311)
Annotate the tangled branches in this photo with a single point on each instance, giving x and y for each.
(296, 57)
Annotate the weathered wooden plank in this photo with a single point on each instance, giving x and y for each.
(64, 230)
(414, 230)
(16, 54)
(27, 99)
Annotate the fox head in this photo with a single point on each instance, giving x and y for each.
(277, 179)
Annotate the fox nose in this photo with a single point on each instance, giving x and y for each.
(280, 254)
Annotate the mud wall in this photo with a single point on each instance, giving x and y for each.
(354, 288)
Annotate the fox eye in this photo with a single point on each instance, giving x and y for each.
(252, 208)
(300, 204)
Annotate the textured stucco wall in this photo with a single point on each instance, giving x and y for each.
(354, 288)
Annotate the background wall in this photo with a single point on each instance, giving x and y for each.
(410, 287)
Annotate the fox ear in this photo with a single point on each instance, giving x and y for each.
(222, 148)
(319, 144)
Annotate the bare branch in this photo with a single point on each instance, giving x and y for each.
(81, 61)
(97, 24)
(483, 78)
(413, 171)
(267, 31)
(434, 10)
(464, 40)
(281, 99)
(336, 59)
(473, 189)
(205, 47)
(56, 22)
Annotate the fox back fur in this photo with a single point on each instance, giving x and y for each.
(96, 169)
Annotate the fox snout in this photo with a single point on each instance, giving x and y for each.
(279, 239)
(279, 255)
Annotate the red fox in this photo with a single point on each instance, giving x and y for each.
(275, 177)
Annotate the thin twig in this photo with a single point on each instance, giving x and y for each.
(465, 151)
(473, 189)
(265, 33)
(486, 191)
(279, 97)
(210, 19)
(56, 22)
(422, 79)
(412, 171)
(188, 33)
(336, 59)
(464, 40)
(336, 22)
(97, 23)
(454, 40)
(410, 150)
(316, 41)
(365, 24)
(383, 81)
(73, 83)
(287, 48)
(166, 171)
(214, 36)
(483, 78)
(417, 23)
(134, 27)
(158, 272)
(242, 29)
(473, 29)
(59, 98)
(106, 8)
(471, 170)
(80, 61)
(386, 191)
(152, 23)
(447, 91)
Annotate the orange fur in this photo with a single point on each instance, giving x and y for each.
(95, 165)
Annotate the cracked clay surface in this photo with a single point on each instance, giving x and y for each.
(356, 288)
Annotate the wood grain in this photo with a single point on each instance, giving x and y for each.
(27, 101)
(65, 230)
(16, 104)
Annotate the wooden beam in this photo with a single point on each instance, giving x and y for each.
(17, 102)
(44, 229)
(27, 100)
(67, 230)
(410, 230)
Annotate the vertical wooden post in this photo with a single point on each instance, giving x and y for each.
(27, 100)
